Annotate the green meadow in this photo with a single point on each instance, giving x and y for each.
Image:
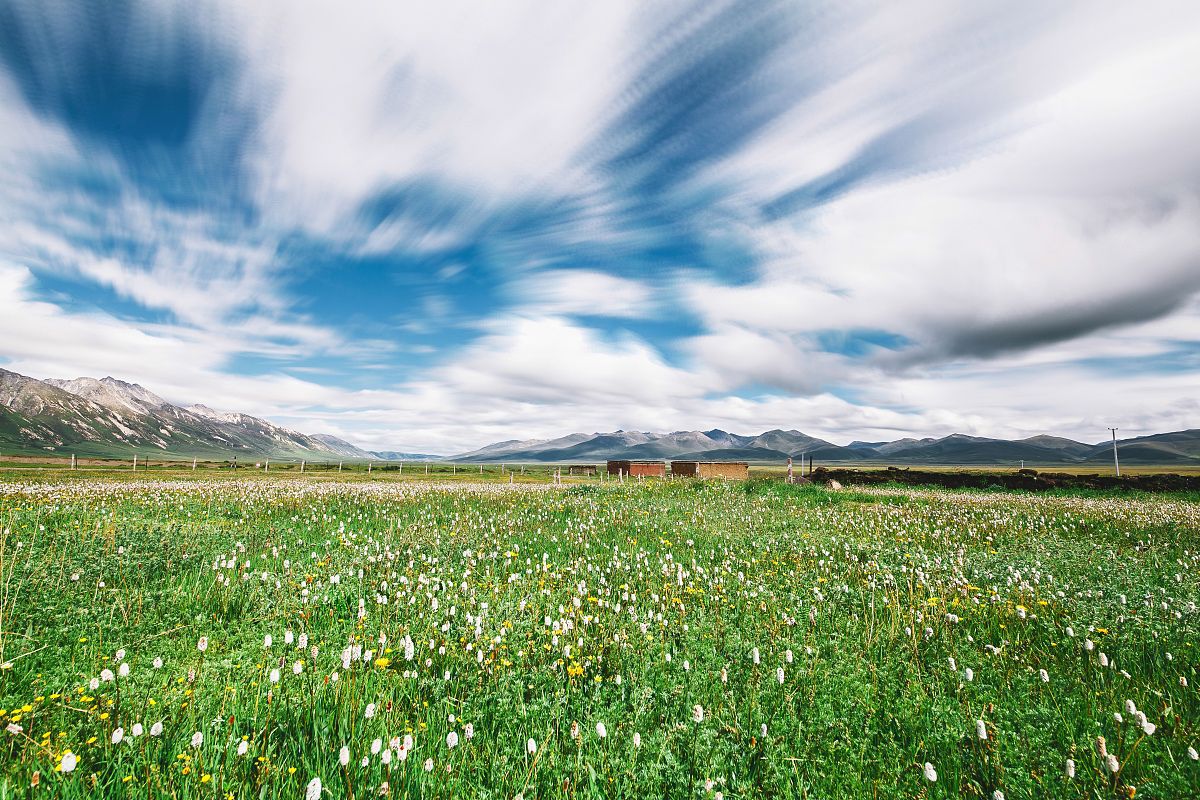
(296, 637)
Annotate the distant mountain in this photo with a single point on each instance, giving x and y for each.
(110, 417)
(775, 446)
(392, 455)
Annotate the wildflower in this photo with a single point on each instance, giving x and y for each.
(94, 684)
(68, 762)
(313, 790)
(1148, 727)
(429, 765)
(136, 730)
(370, 712)
(763, 730)
(344, 756)
(1193, 755)
(287, 637)
(156, 729)
(997, 795)
(123, 670)
(451, 740)
(1045, 676)
(787, 656)
(297, 668)
(779, 674)
(754, 656)
(267, 641)
(107, 675)
(376, 746)
(274, 676)
(981, 729)
(930, 773)
(202, 645)
(120, 656)
(601, 731)
(158, 662)
(1113, 765)
(13, 728)
(637, 739)
(469, 731)
(531, 746)
(697, 713)
(243, 746)
(197, 740)
(968, 674)
(117, 736)
(386, 758)
(1070, 768)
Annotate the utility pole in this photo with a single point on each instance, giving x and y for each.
(1116, 463)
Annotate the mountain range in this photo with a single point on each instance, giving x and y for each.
(776, 446)
(110, 417)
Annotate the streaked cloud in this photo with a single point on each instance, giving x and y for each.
(426, 227)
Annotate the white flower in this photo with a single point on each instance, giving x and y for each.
(287, 637)
(344, 756)
(1113, 765)
(968, 674)
(156, 729)
(202, 645)
(787, 656)
(386, 758)
(779, 676)
(451, 740)
(763, 730)
(120, 654)
(136, 730)
(117, 735)
(370, 712)
(1045, 676)
(1193, 755)
(376, 746)
(1070, 768)
(981, 729)
(469, 731)
(754, 655)
(1149, 727)
(106, 675)
(94, 684)
(297, 668)
(274, 676)
(313, 790)
(637, 739)
(197, 740)
(1103, 659)
(68, 762)
(531, 747)
(997, 795)
(601, 731)
(243, 747)
(267, 641)
(123, 670)
(930, 773)
(697, 713)
(429, 765)
(158, 662)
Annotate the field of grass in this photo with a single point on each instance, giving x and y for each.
(238, 638)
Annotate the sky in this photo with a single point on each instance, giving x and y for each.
(431, 226)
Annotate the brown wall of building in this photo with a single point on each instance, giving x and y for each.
(733, 470)
(635, 468)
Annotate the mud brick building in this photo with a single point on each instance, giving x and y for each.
(730, 470)
(581, 469)
(653, 469)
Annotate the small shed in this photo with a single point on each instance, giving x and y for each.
(654, 469)
(730, 470)
(581, 469)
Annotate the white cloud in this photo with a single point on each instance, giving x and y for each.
(560, 292)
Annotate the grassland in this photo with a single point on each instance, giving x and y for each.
(231, 637)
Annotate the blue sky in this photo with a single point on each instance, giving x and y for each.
(431, 228)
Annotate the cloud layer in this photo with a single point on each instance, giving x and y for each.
(426, 228)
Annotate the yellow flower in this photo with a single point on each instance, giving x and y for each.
(382, 662)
